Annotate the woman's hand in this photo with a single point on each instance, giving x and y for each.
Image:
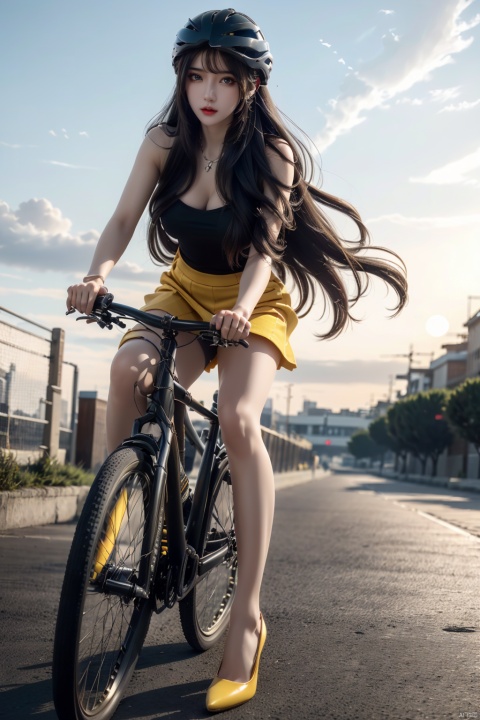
(233, 324)
(82, 296)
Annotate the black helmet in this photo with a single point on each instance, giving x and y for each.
(231, 31)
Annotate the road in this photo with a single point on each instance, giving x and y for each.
(371, 599)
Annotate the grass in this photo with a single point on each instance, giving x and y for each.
(45, 472)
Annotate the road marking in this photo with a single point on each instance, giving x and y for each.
(429, 516)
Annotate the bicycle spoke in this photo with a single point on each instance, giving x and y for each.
(215, 589)
(107, 619)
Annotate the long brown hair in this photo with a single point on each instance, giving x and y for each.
(308, 248)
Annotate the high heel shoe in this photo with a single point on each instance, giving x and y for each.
(225, 694)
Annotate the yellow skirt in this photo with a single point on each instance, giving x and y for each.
(192, 295)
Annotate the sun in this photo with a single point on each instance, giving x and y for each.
(437, 325)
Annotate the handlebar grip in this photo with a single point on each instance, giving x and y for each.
(103, 302)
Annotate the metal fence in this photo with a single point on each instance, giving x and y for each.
(287, 453)
(37, 390)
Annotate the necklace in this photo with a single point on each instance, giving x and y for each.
(209, 164)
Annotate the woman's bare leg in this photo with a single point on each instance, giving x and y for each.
(246, 377)
(131, 379)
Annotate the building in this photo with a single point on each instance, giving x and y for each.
(473, 345)
(450, 369)
(328, 431)
(418, 380)
(460, 361)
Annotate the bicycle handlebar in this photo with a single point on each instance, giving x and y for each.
(104, 306)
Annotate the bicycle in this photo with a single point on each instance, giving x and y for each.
(132, 554)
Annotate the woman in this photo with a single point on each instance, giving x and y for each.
(230, 199)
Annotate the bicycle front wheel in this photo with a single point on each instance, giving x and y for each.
(100, 632)
(205, 611)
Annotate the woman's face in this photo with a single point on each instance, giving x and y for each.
(213, 96)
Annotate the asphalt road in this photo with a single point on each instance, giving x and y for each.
(371, 599)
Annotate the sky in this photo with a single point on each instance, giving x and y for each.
(388, 92)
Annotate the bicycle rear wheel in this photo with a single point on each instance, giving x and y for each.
(205, 611)
(99, 633)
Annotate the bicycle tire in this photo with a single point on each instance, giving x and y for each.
(98, 634)
(205, 611)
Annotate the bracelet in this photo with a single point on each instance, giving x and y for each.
(91, 277)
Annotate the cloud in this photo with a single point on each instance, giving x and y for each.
(409, 101)
(127, 270)
(460, 107)
(453, 173)
(395, 37)
(37, 236)
(387, 12)
(401, 65)
(444, 94)
(41, 216)
(15, 146)
(36, 292)
(69, 165)
(355, 371)
(438, 223)
(63, 131)
(11, 276)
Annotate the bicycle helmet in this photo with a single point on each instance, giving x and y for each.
(232, 32)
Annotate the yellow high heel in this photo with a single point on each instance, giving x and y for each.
(225, 694)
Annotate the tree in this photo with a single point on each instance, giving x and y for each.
(378, 430)
(421, 427)
(463, 411)
(394, 421)
(361, 445)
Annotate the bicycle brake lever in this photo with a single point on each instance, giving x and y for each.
(98, 320)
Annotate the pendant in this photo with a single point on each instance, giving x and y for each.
(209, 166)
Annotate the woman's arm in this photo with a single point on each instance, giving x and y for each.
(256, 274)
(118, 232)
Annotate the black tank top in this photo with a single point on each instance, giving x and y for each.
(200, 235)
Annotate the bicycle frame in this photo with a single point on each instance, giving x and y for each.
(183, 545)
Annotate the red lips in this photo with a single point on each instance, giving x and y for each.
(208, 111)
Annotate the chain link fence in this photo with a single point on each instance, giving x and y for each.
(28, 391)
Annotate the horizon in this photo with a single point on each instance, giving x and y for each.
(389, 95)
